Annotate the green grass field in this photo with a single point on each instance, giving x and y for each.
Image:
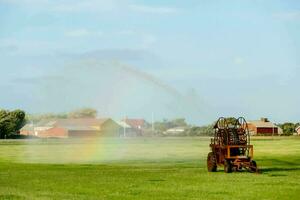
(151, 168)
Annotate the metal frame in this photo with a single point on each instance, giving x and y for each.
(231, 147)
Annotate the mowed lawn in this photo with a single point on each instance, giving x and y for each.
(143, 168)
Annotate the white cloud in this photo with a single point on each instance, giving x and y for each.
(87, 5)
(73, 6)
(65, 6)
(147, 39)
(127, 32)
(238, 60)
(82, 33)
(25, 2)
(29, 47)
(152, 9)
(291, 15)
(8, 46)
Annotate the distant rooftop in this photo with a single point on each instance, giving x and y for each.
(123, 124)
(263, 123)
(70, 124)
(135, 123)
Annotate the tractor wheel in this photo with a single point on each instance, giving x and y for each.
(253, 166)
(211, 162)
(227, 166)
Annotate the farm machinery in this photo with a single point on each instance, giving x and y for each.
(231, 147)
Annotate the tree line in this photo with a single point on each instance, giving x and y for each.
(79, 113)
(288, 128)
(189, 130)
(161, 127)
(12, 121)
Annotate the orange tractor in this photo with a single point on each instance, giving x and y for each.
(231, 147)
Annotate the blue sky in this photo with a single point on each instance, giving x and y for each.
(196, 59)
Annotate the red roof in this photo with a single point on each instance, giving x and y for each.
(135, 123)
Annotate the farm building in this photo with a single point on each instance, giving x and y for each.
(137, 125)
(280, 131)
(176, 131)
(298, 130)
(72, 128)
(262, 127)
(127, 130)
(28, 129)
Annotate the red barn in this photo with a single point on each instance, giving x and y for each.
(262, 127)
(68, 128)
(56, 132)
(138, 125)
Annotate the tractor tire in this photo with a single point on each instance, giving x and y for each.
(253, 166)
(227, 166)
(211, 162)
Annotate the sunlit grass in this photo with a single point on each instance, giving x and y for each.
(139, 168)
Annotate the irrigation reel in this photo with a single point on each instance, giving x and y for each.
(231, 147)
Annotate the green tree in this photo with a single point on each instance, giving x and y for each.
(11, 122)
(231, 120)
(288, 128)
(3, 123)
(162, 126)
(83, 113)
(200, 131)
(36, 117)
(178, 122)
(17, 118)
(80, 113)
